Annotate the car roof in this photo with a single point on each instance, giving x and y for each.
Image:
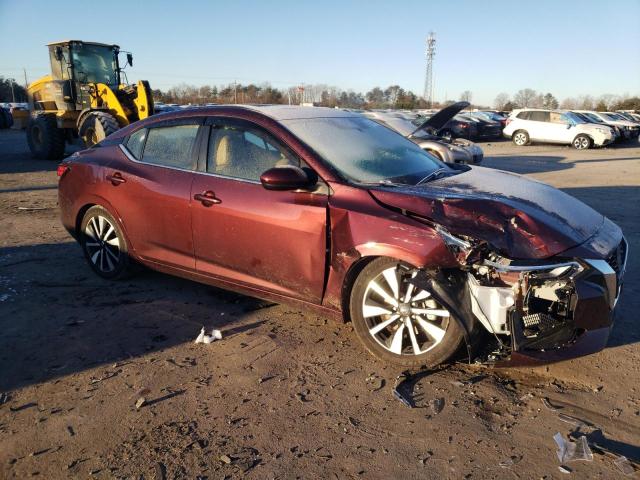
(294, 112)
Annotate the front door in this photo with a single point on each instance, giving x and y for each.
(152, 191)
(271, 240)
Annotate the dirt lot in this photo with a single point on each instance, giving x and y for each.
(285, 394)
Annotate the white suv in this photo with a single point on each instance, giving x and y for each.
(555, 126)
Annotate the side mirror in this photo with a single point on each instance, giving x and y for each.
(287, 177)
(130, 59)
(58, 52)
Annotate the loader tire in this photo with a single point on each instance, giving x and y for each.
(46, 140)
(96, 126)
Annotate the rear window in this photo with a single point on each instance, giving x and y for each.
(135, 143)
(523, 115)
(171, 146)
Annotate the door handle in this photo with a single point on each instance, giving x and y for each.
(115, 179)
(207, 198)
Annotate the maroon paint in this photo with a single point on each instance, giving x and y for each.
(274, 244)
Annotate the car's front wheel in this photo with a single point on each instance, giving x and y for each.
(521, 138)
(398, 322)
(582, 142)
(104, 245)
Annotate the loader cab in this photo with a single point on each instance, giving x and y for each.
(82, 63)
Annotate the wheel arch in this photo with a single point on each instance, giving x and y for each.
(366, 254)
(101, 202)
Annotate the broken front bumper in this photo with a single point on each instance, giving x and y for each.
(552, 312)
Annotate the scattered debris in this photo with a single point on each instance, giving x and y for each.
(576, 422)
(547, 403)
(140, 402)
(400, 379)
(23, 407)
(4, 398)
(374, 382)
(70, 430)
(624, 465)
(509, 462)
(564, 469)
(204, 338)
(570, 451)
(226, 459)
(29, 209)
(437, 405)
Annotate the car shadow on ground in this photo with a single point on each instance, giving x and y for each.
(58, 318)
(526, 164)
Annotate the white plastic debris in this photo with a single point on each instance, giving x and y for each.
(204, 338)
(570, 451)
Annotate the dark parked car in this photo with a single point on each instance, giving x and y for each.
(446, 149)
(448, 125)
(334, 212)
(485, 128)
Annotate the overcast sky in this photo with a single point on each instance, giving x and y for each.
(568, 48)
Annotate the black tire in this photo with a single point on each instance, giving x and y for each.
(520, 138)
(99, 246)
(435, 351)
(582, 142)
(96, 126)
(46, 140)
(4, 119)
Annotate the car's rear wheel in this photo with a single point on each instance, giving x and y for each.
(582, 142)
(521, 138)
(104, 245)
(398, 322)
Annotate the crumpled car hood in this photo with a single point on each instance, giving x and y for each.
(520, 217)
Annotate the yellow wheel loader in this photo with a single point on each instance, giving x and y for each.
(83, 97)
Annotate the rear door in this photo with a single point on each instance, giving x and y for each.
(538, 125)
(151, 186)
(270, 240)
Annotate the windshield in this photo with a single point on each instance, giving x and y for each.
(592, 117)
(94, 64)
(612, 116)
(363, 151)
(573, 117)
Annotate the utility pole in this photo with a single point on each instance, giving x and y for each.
(13, 91)
(26, 83)
(235, 92)
(428, 78)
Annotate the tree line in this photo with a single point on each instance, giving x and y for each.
(529, 98)
(393, 96)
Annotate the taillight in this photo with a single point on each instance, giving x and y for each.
(463, 125)
(507, 121)
(62, 169)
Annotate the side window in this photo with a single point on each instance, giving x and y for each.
(556, 117)
(135, 143)
(171, 146)
(539, 116)
(244, 152)
(524, 115)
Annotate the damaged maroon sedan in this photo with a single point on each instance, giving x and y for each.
(332, 211)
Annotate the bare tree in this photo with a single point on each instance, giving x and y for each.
(569, 103)
(501, 100)
(525, 97)
(466, 96)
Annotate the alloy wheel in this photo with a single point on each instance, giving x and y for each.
(403, 319)
(520, 139)
(102, 244)
(581, 143)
